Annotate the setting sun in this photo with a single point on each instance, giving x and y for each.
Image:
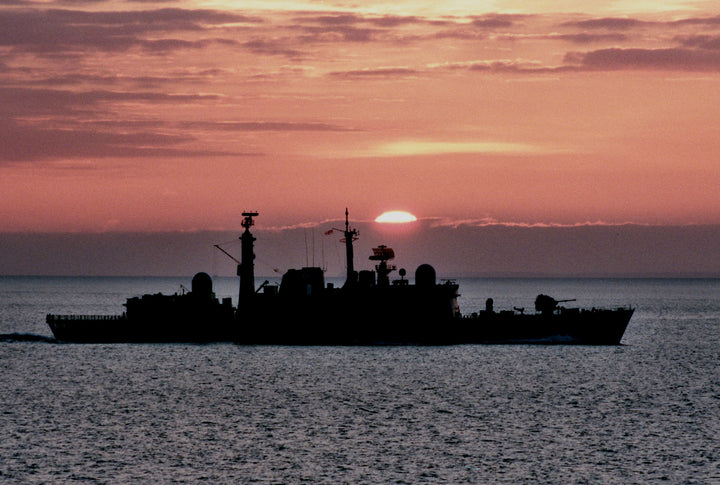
(396, 217)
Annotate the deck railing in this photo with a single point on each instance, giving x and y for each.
(52, 317)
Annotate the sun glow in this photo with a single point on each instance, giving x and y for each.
(396, 217)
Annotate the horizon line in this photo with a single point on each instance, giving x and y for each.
(434, 222)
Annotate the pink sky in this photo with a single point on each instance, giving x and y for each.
(142, 116)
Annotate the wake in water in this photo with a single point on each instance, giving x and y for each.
(26, 337)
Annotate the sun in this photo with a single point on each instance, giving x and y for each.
(395, 217)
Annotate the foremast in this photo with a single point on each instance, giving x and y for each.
(246, 268)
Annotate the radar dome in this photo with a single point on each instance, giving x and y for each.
(425, 275)
(202, 285)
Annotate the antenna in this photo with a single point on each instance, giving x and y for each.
(307, 263)
(226, 253)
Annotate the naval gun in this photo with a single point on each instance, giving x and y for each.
(547, 304)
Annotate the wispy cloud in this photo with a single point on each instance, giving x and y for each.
(376, 73)
(263, 126)
(403, 148)
(587, 38)
(492, 222)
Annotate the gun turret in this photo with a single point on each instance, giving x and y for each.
(547, 304)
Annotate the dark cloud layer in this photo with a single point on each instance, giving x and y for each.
(680, 59)
(22, 143)
(55, 30)
(586, 38)
(497, 21)
(76, 32)
(610, 23)
(709, 42)
(24, 139)
(18, 101)
(614, 251)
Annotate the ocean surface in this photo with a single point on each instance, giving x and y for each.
(647, 411)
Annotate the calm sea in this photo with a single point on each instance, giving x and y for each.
(647, 411)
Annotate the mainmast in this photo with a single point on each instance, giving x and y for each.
(246, 268)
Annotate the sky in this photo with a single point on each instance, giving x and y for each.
(144, 116)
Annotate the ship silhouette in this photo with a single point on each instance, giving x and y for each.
(368, 309)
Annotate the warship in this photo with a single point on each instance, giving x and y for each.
(368, 309)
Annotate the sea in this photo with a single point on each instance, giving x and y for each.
(646, 411)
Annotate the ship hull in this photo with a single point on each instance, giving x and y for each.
(120, 329)
(583, 327)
